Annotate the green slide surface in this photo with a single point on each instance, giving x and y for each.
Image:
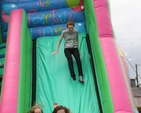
(54, 83)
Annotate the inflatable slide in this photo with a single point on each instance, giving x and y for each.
(31, 29)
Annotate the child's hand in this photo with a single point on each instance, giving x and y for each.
(55, 52)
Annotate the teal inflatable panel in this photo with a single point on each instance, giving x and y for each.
(54, 83)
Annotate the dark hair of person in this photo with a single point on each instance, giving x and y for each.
(61, 107)
(70, 23)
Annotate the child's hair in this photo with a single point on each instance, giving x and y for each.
(55, 105)
(70, 23)
(61, 107)
(36, 106)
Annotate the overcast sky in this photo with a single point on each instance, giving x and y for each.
(126, 22)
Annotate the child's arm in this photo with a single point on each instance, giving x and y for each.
(58, 45)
